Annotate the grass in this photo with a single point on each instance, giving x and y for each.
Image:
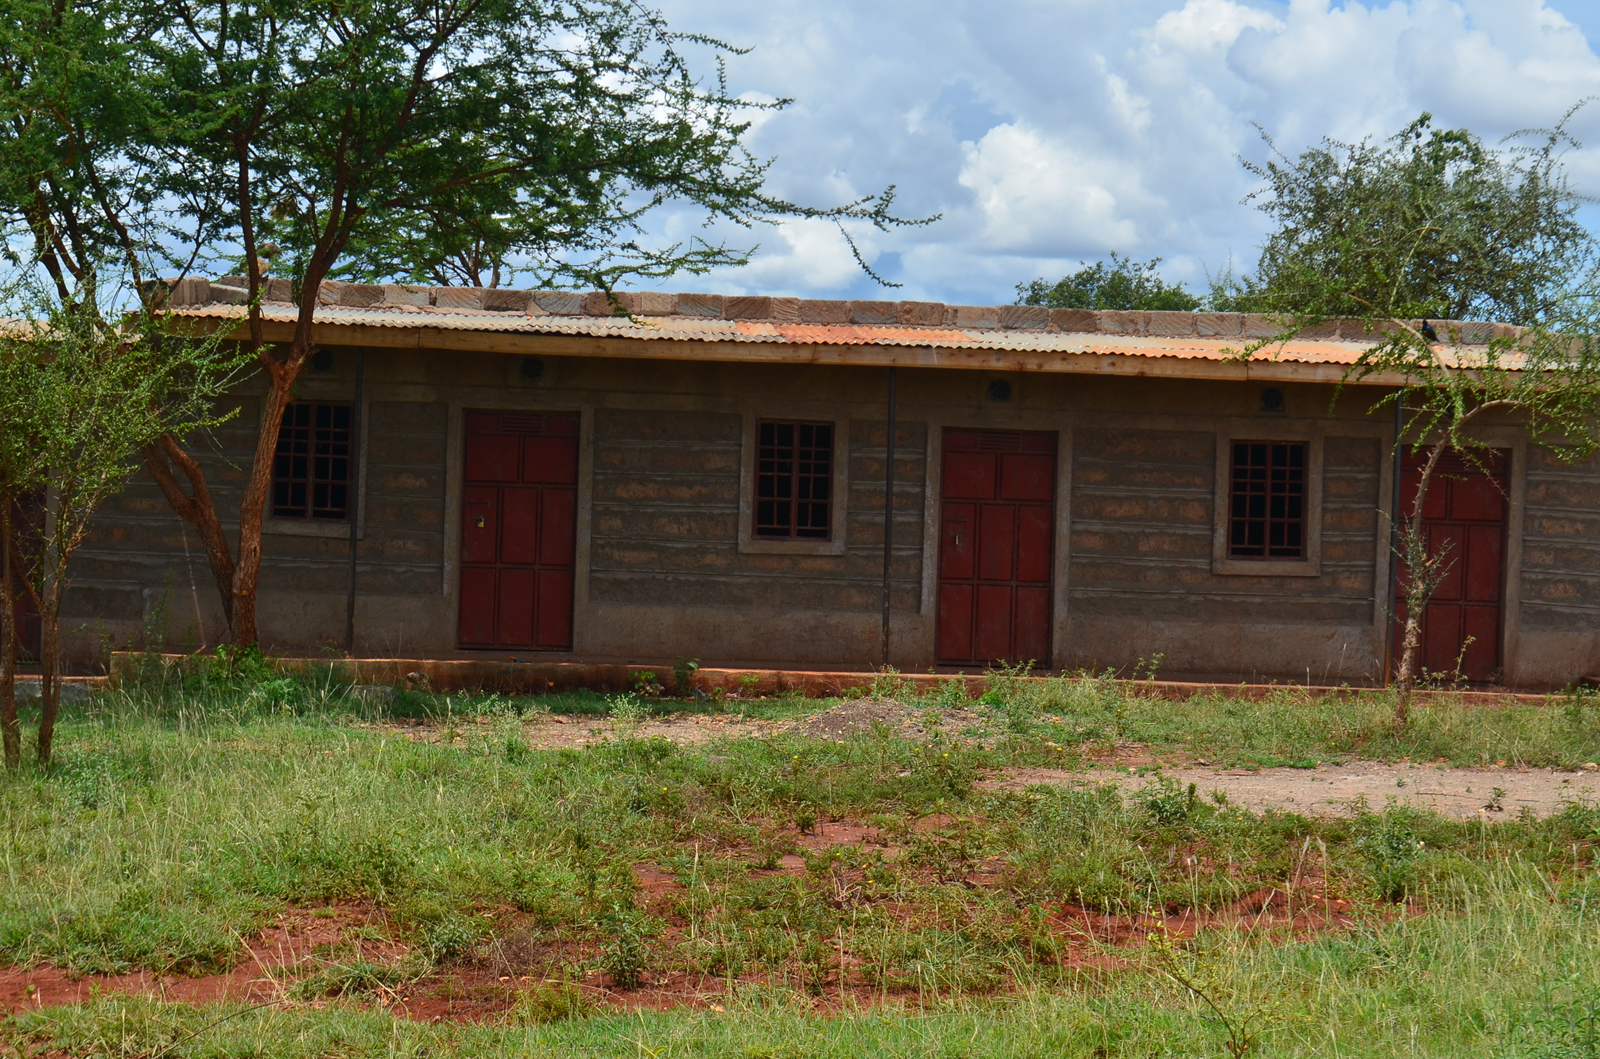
(185, 812)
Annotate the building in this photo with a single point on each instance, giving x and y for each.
(539, 477)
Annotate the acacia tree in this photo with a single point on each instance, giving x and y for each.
(1125, 284)
(402, 139)
(1434, 226)
(79, 398)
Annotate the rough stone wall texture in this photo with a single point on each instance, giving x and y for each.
(1143, 524)
(141, 562)
(667, 508)
(1560, 590)
(133, 569)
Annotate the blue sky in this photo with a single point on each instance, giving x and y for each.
(1051, 132)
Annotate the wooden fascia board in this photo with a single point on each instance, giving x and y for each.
(945, 357)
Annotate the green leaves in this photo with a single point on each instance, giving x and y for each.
(1430, 223)
(1126, 284)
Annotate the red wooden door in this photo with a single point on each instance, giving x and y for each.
(997, 518)
(1464, 518)
(519, 521)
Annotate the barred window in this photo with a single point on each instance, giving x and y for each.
(311, 470)
(794, 480)
(1267, 500)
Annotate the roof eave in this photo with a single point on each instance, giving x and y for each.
(854, 354)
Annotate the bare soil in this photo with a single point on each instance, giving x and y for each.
(1489, 793)
(489, 984)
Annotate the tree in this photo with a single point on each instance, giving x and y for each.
(374, 139)
(1435, 227)
(1428, 224)
(80, 396)
(1126, 284)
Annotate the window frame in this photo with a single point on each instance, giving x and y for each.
(1310, 562)
(312, 457)
(323, 391)
(749, 542)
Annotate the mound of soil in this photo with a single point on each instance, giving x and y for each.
(858, 716)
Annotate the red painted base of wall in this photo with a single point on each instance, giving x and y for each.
(537, 678)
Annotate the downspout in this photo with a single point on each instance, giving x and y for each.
(355, 499)
(1394, 539)
(888, 514)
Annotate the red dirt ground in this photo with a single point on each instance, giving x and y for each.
(480, 988)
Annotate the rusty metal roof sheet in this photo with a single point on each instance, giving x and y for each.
(698, 331)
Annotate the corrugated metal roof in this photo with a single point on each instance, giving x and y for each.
(695, 330)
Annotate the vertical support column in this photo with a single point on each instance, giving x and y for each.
(1394, 538)
(355, 499)
(888, 513)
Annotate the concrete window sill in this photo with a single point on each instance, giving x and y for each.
(1266, 568)
(296, 528)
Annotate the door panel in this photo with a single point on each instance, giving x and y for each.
(1033, 544)
(480, 524)
(997, 542)
(992, 637)
(958, 548)
(1027, 477)
(491, 458)
(1032, 622)
(519, 536)
(516, 607)
(519, 525)
(1466, 510)
(969, 476)
(1441, 637)
(477, 606)
(955, 621)
(1482, 625)
(1475, 499)
(997, 519)
(550, 460)
(1442, 540)
(1482, 573)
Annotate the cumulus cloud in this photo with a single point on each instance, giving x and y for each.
(1035, 193)
(1045, 133)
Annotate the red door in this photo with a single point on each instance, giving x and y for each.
(519, 520)
(997, 519)
(1464, 518)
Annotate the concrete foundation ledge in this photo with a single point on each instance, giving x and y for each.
(538, 678)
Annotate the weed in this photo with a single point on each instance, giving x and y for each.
(1391, 844)
(551, 1001)
(683, 671)
(354, 978)
(626, 954)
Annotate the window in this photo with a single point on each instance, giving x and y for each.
(311, 471)
(794, 481)
(1267, 500)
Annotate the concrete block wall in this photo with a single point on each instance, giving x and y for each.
(1141, 577)
(1559, 608)
(667, 510)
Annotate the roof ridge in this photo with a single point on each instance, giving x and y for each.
(198, 290)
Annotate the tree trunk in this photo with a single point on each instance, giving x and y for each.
(49, 667)
(247, 572)
(1421, 580)
(197, 510)
(1405, 679)
(9, 726)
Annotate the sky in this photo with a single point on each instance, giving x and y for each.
(1049, 132)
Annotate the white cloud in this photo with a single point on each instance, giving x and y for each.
(1034, 194)
(1045, 131)
(1201, 25)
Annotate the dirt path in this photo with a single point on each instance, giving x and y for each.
(1336, 790)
